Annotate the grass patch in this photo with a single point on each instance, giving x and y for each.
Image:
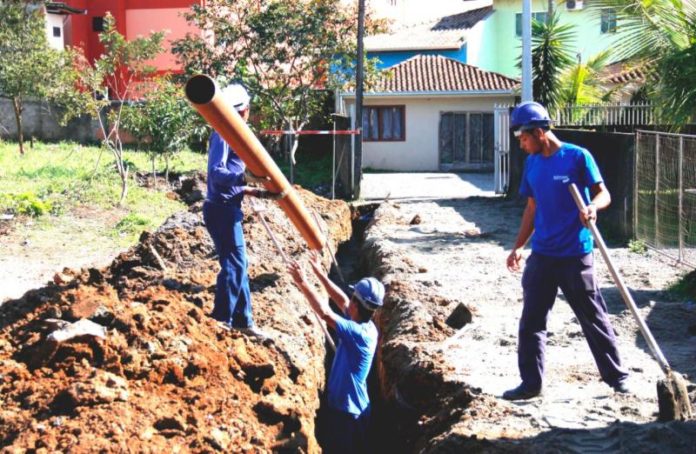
(58, 179)
(686, 286)
(311, 170)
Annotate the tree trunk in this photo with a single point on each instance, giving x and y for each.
(123, 173)
(17, 104)
(166, 169)
(154, 172)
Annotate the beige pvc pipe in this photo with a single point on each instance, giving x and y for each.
(207, 98)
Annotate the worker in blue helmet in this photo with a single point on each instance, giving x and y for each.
(222, 213)
(561, 247)
(348, 416)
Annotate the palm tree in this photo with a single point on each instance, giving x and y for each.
(661, 33)
(582, 82)
(551, 56)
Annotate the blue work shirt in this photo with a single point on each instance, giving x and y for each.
(347, 387)
(225, 173)
(558, 231)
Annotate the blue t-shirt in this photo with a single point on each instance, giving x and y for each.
(225, 173)
(558, 231)
(347, 387)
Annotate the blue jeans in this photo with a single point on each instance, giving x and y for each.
(575, 276)
(232, 294)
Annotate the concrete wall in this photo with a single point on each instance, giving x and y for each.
(41, 123)
(502, 48)
(615, 154)
(420, 150)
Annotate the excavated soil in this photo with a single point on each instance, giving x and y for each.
(449, 332)
(165, 377)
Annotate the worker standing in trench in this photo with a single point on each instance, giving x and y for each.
(348, 417)
(561, 250)
(222, 213)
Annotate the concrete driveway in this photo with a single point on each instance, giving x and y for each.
(426, 186)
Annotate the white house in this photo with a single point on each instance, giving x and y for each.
(431, 113)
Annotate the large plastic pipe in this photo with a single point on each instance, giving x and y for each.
(207, 98)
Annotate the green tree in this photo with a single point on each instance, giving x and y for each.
(29, 68)
(582, 83)
(119, 75)
(282, 51)
(164, 122)
(660, 36)
(551, 56)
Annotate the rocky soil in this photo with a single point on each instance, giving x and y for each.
(125, 359)
(449, 332)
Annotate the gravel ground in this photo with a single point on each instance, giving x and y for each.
(459, 247)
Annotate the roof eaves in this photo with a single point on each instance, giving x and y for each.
(426, 94)
(62, 8)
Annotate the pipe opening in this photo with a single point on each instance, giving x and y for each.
(200, 89)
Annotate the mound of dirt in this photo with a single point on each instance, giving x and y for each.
(125, 358)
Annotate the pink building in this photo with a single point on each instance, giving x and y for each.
(78, 23)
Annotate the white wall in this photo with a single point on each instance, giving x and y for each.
(420, 150)
(55, 20)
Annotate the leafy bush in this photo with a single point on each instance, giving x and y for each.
(26, 203)
(638, 247)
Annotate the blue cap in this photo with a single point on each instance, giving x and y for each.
(370, 293)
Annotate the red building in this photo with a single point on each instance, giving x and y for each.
(82, 20)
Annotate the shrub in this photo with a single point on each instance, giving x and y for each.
(638, 247)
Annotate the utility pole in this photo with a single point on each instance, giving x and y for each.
(527, 90)
(357, 162)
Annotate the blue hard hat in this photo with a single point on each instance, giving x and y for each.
(370, 293)
(529, 115)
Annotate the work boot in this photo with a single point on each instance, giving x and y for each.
(226, 326)
(255, 332)
(521, 393)
(622, 387)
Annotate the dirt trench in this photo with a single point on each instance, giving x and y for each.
(164, 377)
(439, 347)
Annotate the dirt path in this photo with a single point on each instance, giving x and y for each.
(29, 257)
(456, 253)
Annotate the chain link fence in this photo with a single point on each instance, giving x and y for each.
(665, 193)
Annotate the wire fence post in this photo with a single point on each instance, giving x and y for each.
(680, 213)
(657, 190)
(333, 161)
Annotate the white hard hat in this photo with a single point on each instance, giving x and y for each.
(237, 95)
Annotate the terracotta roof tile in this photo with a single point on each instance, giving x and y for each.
(436, 73)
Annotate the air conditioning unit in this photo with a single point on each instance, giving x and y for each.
(574, 5)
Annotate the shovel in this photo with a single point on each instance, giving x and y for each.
(672, 394)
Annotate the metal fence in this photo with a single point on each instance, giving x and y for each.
(604, 114)
(501, 148)
(665, 193)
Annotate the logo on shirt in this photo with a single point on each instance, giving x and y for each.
(562, 178)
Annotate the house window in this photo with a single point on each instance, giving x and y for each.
(539, 17)
(97, 24)
(383, 123)
(608, 20)
(56, 32)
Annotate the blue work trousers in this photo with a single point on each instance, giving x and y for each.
(345, 433)
(575, 276)
(232, 294)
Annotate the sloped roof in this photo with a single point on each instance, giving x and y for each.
(62, 8)
(448, 32)
(435, 73)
